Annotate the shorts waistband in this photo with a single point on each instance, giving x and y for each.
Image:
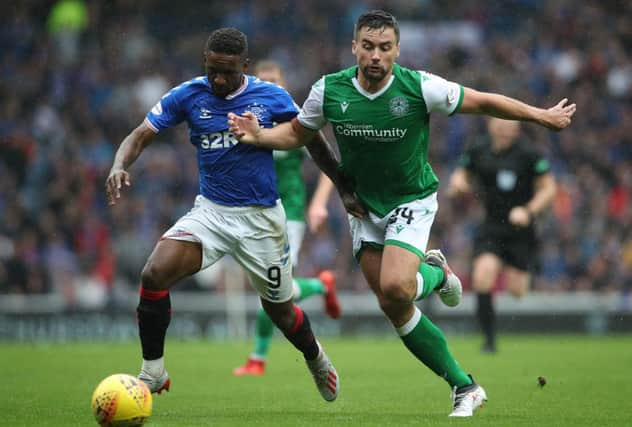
(200, 200)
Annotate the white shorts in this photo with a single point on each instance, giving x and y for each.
(407, 226)
(255, 236)
(295, 233)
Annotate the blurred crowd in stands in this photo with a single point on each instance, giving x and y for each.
(77, 75)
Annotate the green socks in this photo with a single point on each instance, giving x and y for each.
(308, 287)
(428, 278)
(265, 329)
(428, 344)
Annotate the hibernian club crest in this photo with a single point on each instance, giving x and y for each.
(399, 106)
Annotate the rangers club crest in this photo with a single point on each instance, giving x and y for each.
(399, 106)
(258, 110)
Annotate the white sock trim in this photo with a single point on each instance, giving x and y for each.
(296, 290)
(257, 357)
(420, 286)
(407, 327)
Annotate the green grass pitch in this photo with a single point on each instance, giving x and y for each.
(589, 384)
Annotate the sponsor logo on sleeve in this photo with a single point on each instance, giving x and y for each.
(453, 95)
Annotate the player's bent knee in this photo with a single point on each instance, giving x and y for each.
(151, 277)
(396, 292)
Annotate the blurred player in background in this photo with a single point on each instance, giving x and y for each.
(380, 114)
(237, 212)
(291, 188)
(515, 184)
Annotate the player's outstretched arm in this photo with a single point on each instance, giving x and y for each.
(127, 153)
(282, 137)
(492, 104)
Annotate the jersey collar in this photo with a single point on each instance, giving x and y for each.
(370, 95)
(234, 94)
(240, 90)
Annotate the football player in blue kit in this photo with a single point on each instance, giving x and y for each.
(237, 211)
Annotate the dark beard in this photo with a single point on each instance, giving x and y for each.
(221, 91)
(372, 76)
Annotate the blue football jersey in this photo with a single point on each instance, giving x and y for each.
(231, 174)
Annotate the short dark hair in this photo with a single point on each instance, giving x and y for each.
(377, 19)
(229, 41)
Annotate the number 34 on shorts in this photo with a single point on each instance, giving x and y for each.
(409, 224)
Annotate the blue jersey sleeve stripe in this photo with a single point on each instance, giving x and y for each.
(150, 125)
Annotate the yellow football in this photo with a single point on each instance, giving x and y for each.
(121, 400)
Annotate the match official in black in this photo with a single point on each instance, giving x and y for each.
(515, 184)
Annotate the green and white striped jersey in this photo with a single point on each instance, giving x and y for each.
(383, 136)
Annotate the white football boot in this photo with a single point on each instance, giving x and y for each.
(450, 290)
(325, 375)
(156, 385)
(466, 399)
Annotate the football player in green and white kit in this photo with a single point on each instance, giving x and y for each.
(291, 188)
(380, 114)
